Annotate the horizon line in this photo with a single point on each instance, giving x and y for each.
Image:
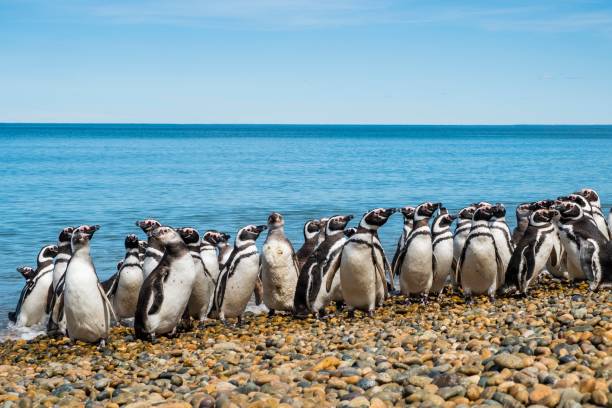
(300, 124)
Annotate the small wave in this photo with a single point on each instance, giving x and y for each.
(14, 332)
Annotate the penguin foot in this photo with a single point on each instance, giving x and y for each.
(492, 298)
(469, 300)
(370, 313)
(271, 312)
(102, 344)
(351, 314)
(225, 323)
(424, 300)
(339, 305)
(239, 322)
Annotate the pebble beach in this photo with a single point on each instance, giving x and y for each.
(552, 349)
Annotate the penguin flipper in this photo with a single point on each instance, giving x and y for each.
(397, 268)
(159, 276)
(331, 272)
(258, 291)
(107, 302)
(220, 291)
(500, 268)
(434, 265)
(588, 263)
(110, 285)
(388, 272)
(50, 295)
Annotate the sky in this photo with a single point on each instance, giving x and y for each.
(306, 61)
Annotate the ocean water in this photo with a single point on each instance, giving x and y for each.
(227, 176)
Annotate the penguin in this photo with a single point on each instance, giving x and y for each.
(415, 262)
(522, 212)
(238, 276)
(32, 303)
(211, 240)
(55, 324)
(557, 263)
(587, 209)
(442, 250)
(224, 248)
(503, 240)
(204, 285)
(128, 280)
(593, 198)
(532, 252)
(88, 311)
(142, 250)
(584, 244)
(155, 250)
(408, 213)
(349, 232)
(610, 223)
(464, 224)
(362, 265)
(479, 263)
(311, 238)
(322, 225)
(166, 290)
(279, 267)
(311, 295)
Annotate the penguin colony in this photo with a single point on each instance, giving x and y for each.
(177, 276)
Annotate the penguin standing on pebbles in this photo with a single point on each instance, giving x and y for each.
(87, 309)
(362, 265)
(408, 213)
(464, 225)
(224, 248)
(415, 262)
(442, 250)
(166, 291)
(238, 276)
(208, 252)
(204, 285)
(127, 282)
(593, 198)
(532, 252)
(32, 302)
(312, 230)
(479, 264)
(522, 213)
(155, 250)
(503, 241)
(279, 267)
(311, 295)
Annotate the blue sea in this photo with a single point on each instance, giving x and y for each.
(226, 176)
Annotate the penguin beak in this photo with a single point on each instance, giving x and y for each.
(350, 217)
(390, 211)
(261, 228)
(452, 217)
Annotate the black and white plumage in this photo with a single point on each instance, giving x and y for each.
(462, 230)
(154, 250)
(593, 198)
(532, 252)
(32, 304)
(203, 290)
(238, 275)
(479, 264)
(64, 247)
(85, 304)
(224, 249)
(311, 295)
(363, 264)
(279, 267)
(415, 263)
(126, 283)
(211, 244)
(522, 213)
(312, 229)
(503, 240)
(166, 290)
(407, 213)
(442, 250)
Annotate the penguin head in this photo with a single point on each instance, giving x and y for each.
(483, 213)
(349, 232)
(249, 234)
(407, 212)
(569, 211)
(443, 220)
(578, 199)
(542, 217)
(481, 204)
(374, 219)
(498, 210)
(148, 225)
(275, 220)
(120, 265)
(142, 246)
(590, 194)
(131, 242)
(189, 235)
(83, 234)
(66, 234)
(215, 237)
(467, 213)
(542, 204)
(166, 235)
(27, 272)
(336, 224)
(523, 210)
(47, 253)
(311, 229)
(425, 211)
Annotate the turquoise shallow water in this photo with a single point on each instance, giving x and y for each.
(227, 176)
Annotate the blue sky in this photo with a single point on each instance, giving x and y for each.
(316, 61)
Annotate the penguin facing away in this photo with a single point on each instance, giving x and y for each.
(279, 267)
(211, 241)
(415, 263)
(503, 240)
(407, 213)
(479, 264)
(464, 225)
(32, 303)
(593, 198)
(155, 250)
(238, 276)
(166, 290)
(87, 309)
(126, 286)
(203, 289)
(362, 265)
(311, 295)
(55, 324)
(523, 211)
(532, 252)
(442, 250)
(312, 230)
(224, 248)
